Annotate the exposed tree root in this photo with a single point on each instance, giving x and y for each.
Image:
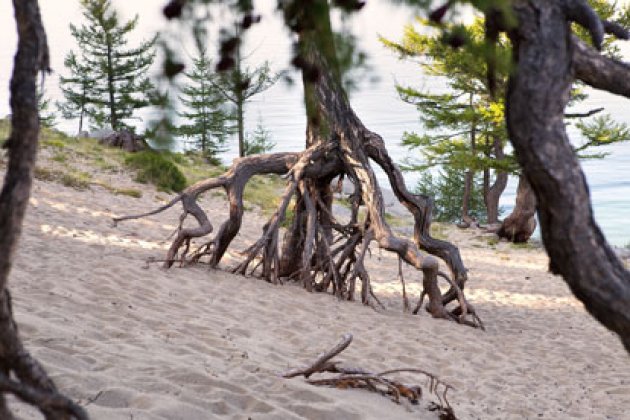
(331, 255)
(317, 250)
(352, 377)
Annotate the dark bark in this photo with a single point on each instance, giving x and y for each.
(111, 88)
(469, 177)
(520, 225)
(548, 57)
(467, 220)
(492, 193)
(20, 374)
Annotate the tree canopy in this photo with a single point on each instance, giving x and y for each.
(108, 80)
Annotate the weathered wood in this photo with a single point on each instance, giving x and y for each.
(337, 144)
(548, 57)
(520, 225)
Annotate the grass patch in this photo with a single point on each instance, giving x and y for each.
(45, 174)
(493, 241)
(395, 221)
(265, 192)
(76, 180)
(54, 142)
(130, 192)
(439, 231)
(524, 245)
(155, 168)
(60, 157)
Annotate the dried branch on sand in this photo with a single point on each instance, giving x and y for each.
(350, 377)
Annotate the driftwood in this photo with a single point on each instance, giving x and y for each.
(381, 383)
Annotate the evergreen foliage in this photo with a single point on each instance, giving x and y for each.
(240, 83)
(154, 167)
(46, 116)
(119, 73)
(206, 114)
(447, 188)
(465, 128)
(259, 141)
(76, 90)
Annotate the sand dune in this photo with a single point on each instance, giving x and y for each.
(135, 342)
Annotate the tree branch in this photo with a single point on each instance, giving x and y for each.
(599, 71)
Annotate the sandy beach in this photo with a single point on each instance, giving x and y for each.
(129, 340)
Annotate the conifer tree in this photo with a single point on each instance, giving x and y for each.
(259, 141)
(208, 119)
(119, 72)
(46, 116)
(240, 83)
(465, 128)
(76, 90)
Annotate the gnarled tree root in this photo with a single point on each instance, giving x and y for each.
(330, 255)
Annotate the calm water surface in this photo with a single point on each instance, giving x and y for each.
(282, 112)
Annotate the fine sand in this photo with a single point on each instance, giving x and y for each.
(131, 341)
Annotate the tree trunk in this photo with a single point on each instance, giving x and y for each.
(468, 189)
(519, 226)
(469, 177)
(20, 373)
(538, 92)
(111, 89)
(492, 193)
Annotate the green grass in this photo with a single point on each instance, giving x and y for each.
(439, 231)
(60, 157)
(395, 221)
(525, 245)
(265, 192)
(493, 241)
(54, 142)
(130, 192)
(76, 180)
(166, 170)
(45, 174)
(157, 169)
(73, 179)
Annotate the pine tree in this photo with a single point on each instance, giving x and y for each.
(208, 119)
(46, 117)
(76, 90)
(464, 128)
(121, 85)
(446, 188)
(240, 83)
(259, 141)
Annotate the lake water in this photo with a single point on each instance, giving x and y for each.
(282, 111)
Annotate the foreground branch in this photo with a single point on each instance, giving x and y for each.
(31, 384)
(538, 92)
